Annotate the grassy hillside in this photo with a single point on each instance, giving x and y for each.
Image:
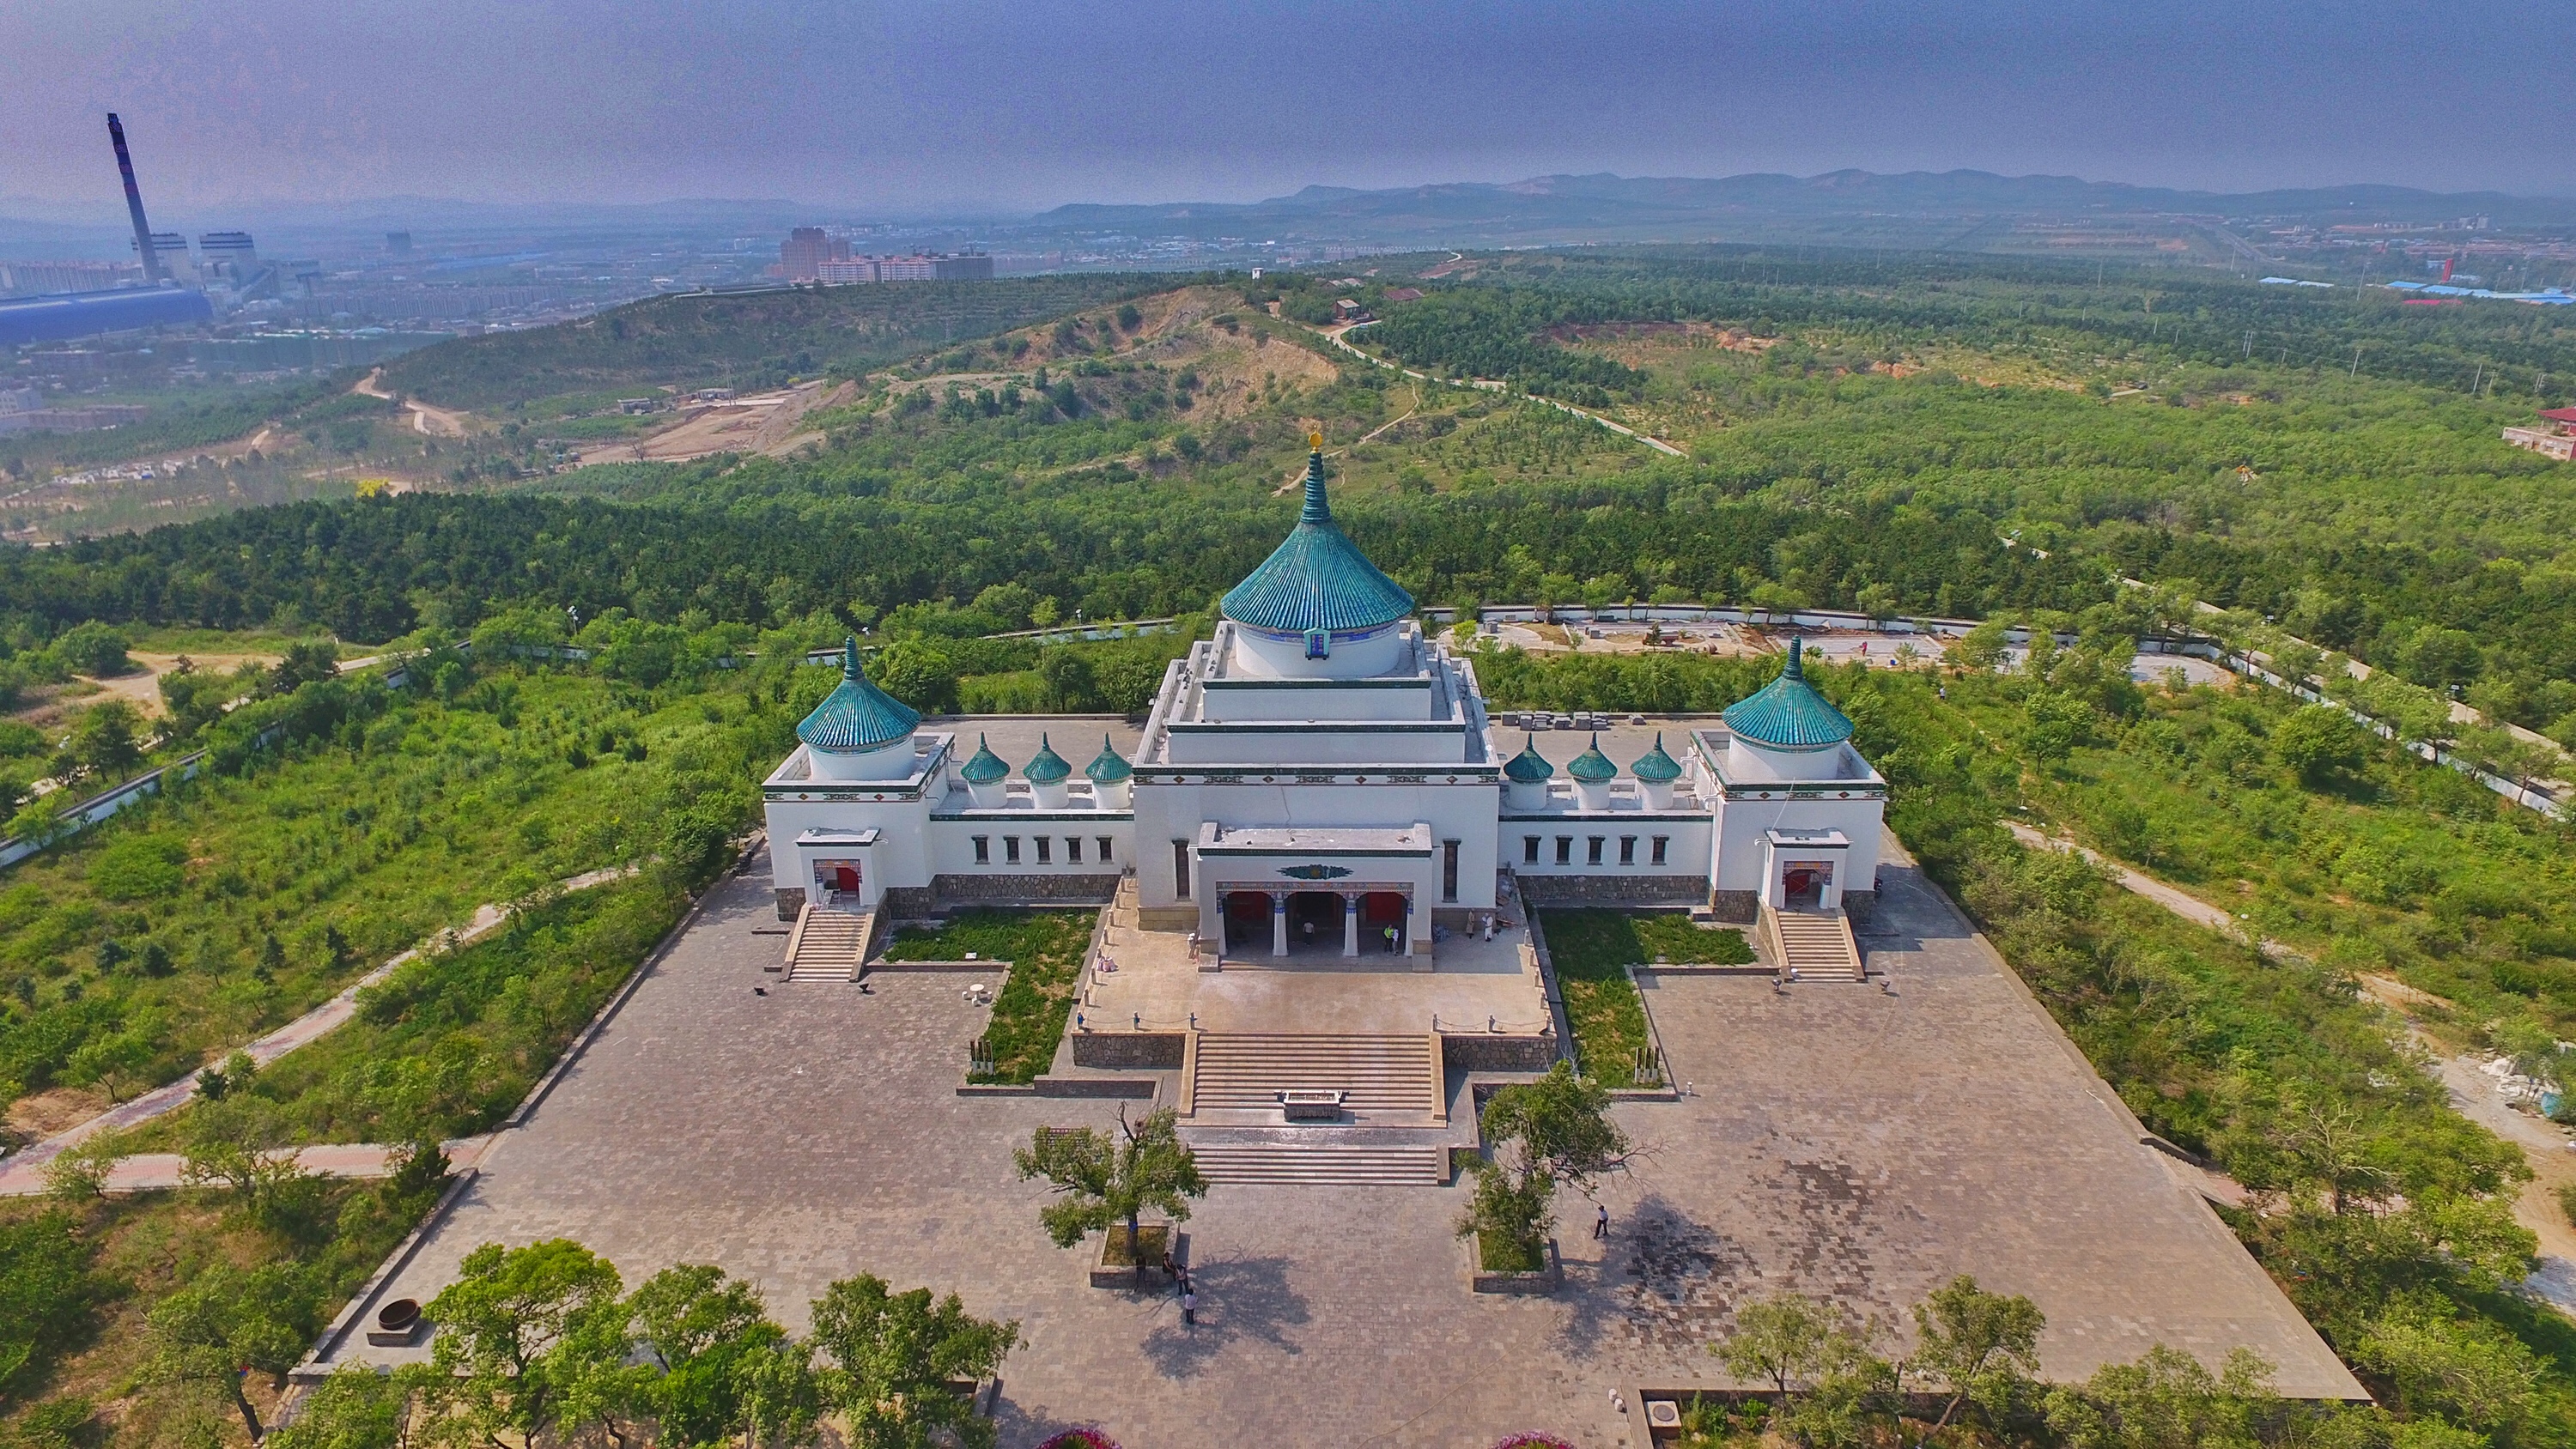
(750, 340)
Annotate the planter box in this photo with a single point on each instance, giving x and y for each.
(1544, 1281)
(1109, 1274)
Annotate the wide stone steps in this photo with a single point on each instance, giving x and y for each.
(1246, 1071)
(1324, 1164)
(828, 945)
(1818, 945)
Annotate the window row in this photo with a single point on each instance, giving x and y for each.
(1045, 847)
(1593, 845)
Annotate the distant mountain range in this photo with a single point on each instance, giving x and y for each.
(1683, 208)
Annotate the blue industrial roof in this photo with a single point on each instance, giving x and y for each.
(1788, 714)
(86, 314)
(857, 716)
(1317, 578)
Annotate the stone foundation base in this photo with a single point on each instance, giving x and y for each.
(1860, 905)
(1740, 907)
(1492, 1052)
(1024, 889)
(1167, 918)
(1614, 890)
(791, 901)
(908, 903)
(1159, 1051)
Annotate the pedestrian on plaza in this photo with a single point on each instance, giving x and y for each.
(1190, 1307)
(1390, 940)
(1601, 1224)
(1171, 1270)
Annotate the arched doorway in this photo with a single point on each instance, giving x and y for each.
(1315, 922)
(1247, 922)
(1380, 910)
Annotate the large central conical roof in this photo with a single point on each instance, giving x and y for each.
(1788, 713)
(856, 716)
(1317, 578)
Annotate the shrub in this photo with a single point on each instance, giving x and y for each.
(92, 648)
(139, 867)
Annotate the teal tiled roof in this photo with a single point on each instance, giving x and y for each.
(1592, 767)
(1317, 578)
(1046, 767)
(1529, 767)
(1655, 765)
(1108, 767)
(1788, 714)
(986, 768)
(857, 716)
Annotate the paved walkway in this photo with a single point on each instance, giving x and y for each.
(1840, 1140)
(24, 1172)
(146, 1171)
(2190, 907)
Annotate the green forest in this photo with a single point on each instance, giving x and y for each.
(1969, 437)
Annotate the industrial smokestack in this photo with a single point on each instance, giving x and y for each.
(152, 272)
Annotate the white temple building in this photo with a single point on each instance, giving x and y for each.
(1322, 770)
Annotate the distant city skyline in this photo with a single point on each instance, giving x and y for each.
(981, 109)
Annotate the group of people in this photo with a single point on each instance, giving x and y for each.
(1179, 1274)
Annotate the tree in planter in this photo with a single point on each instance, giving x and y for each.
(1103, 1179)
(1833, 1391)
(1550, 1132)
(517, 1330)
(1978, 1347)
(890, 1359)
(703, 1332)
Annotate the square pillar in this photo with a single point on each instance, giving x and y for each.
(1278, 923)
(1350, 923)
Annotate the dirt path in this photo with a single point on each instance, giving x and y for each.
(22, 1169)
(151, 1171)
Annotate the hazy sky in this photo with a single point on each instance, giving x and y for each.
(896, 108)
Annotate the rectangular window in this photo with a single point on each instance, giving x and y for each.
(1046, 854)
(1660, 842)
(1181, 869)
(1565, 850)
(983, 850)
(1448, 870)
(1319, 644)
(1073, 849)
(1627, 850)
(1011, 850)
(1592, 850)
(1529, 850)
(1104, 849)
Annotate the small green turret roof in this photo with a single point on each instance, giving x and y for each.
(1592, 767)
(1108, 767)
(1788, 713)
(1655, 766)
(1529, 767)
(1317, 578)
(986, 768)
(1046, 767)
(856, 716)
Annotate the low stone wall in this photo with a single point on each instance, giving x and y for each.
(1140, 1088)
(1151, 1051)
(1488, 1052)
(1167, 918)
(908, 903)
(1743, 908)
(1023, 889)
(790, 902)
(1614, 890)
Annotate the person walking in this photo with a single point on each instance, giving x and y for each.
(1390, 940)
(1601, 1224)
(1190, 1306)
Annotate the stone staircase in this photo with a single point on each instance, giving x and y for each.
(1320, 1164)
(1382, 1076)
(1816, 945)
(829, 945)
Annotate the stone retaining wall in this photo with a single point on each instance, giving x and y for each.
(1486, 1052)
(1742, 908)
(1152, 1051)
(1027, 888)
(1614, 890)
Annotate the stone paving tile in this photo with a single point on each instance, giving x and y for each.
(1840, 1141)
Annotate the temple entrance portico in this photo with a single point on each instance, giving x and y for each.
(1350, 921)
(1317, 892)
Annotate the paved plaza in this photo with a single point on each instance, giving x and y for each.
(1838, 1140)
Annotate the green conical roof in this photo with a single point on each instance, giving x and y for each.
(856, 716)
(1655, 765)
(1529, 767)
(1046, 767)
(1788, 714)
(1317, 578)
(1108, 767)
(1592, 767)
(986, 768)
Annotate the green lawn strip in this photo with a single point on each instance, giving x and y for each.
(1589, 948)
(1045, 951)
(447, 1045)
